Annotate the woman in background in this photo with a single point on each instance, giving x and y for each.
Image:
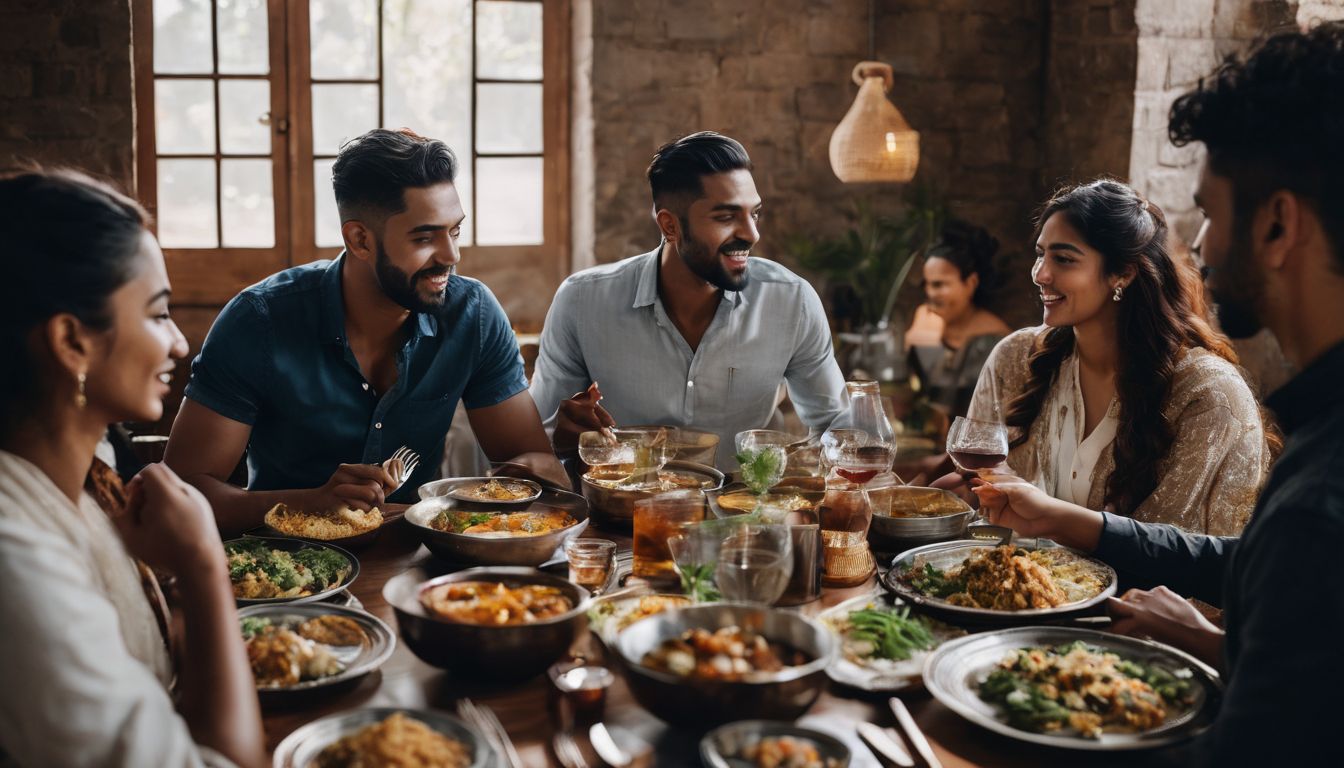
(952, 334)
(84, 327)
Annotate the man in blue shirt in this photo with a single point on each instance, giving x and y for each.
(322, 371)
(1273, 240)
(696, 333)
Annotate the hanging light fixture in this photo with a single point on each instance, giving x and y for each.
(873, 142)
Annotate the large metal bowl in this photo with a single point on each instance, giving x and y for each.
(471, 549)
(498, 654)
(899, 523)
(614, 508)
(704, 703)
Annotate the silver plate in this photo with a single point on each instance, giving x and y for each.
(359, 660)
(301, 747)
(294, 545)
(951, 553)
(456, 488)
(719, 747)
(954, 671)
(904, 675)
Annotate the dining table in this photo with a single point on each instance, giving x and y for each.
(526, 710)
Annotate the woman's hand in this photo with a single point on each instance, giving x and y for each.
(1168, 618)
(168, 523)
(1013, 502)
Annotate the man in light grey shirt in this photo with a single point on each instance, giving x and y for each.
(696, 333)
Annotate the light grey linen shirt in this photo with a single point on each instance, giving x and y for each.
(607, 324)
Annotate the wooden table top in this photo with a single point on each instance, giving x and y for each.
(524, 708)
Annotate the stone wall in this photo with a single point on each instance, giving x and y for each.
(65, 85)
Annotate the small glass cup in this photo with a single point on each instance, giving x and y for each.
(582, 689)
(755, 563)
(591, 562)
(762, 455)
(656, 519)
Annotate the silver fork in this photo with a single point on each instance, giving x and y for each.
(485, 719)
(409, 461)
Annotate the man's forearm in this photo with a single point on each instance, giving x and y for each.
(238, 509)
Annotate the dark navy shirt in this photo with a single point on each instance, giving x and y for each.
(1281, 586)
(278, 360)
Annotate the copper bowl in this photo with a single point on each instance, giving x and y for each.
(496, 653)
(784, 695)
(614, 508)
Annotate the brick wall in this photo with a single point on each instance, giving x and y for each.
(65, 85)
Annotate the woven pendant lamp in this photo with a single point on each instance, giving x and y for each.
(873, 142)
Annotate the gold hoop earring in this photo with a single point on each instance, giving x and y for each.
(1119, 292)
(80, 399)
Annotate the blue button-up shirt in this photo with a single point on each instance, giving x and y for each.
(607, 324)
(278, 360)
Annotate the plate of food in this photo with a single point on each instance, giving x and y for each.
(608, 616)
(384, 736)
(488, 491)
(771, 744)
(979, 582)
(467, 533)
(267, 570)
(295, 649)
(1075, 688)
(345, 526)
(882, 645)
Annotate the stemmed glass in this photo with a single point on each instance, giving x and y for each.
(859, 445)
(645, 451)
(762, 456)
(977, 446)
(755, 563)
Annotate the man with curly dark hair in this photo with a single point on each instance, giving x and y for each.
(1271, 193)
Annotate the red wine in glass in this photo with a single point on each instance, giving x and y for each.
(972, 460)
(857, 475)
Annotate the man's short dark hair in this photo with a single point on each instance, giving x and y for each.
(373, 171)
(677, 167)
(1276, 121)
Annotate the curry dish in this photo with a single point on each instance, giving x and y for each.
(785, 752)
(1007, 578)
(501, 524)
(397, 742)
(496, 490)
(280, 658)
(1088, 689)
(730, 653)
(494, 603)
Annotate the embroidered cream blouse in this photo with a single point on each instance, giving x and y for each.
(1211, 476)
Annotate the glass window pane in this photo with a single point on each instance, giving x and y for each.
(344, 38)
(508, 201)
(186, 215)
(246, 203)
(508, 40)
(184, 116)
(243, 45)
(463, 183)
(326, 220)
(243, 104)
(340, 113)
(427, 70)
(182, 37)
(508, 118)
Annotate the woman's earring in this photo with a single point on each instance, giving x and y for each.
(1119, 292)
(80, 399)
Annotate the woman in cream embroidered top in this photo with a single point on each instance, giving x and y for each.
(1125, 399)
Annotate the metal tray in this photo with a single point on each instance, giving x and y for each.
(951, 553)
(300, 748)
(359, 660)
(455, 488)
(955, 669)
(294, 545)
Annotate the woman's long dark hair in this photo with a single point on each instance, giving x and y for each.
(70, 242)
(1156, 323)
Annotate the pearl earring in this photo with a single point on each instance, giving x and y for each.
(80, 399)
(1119, 292)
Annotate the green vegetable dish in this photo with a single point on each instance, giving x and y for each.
(1087, 689)
(259, 572)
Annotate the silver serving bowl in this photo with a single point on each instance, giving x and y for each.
(359, 660)
(473, 549)
(301, 748)
(701, 703)
(457, 487)
(495, 653)
(720, 747)
(614, 508)
(898, 523)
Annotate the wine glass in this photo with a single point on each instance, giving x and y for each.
(860, 444)
(977, 446)
(761, 454)
(643, 451)
(755, 563)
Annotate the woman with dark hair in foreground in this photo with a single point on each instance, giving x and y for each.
(84, 326)
(1125, 398)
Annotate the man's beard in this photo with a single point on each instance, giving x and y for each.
(708, 266)
(400, 287)
(1236, 291)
